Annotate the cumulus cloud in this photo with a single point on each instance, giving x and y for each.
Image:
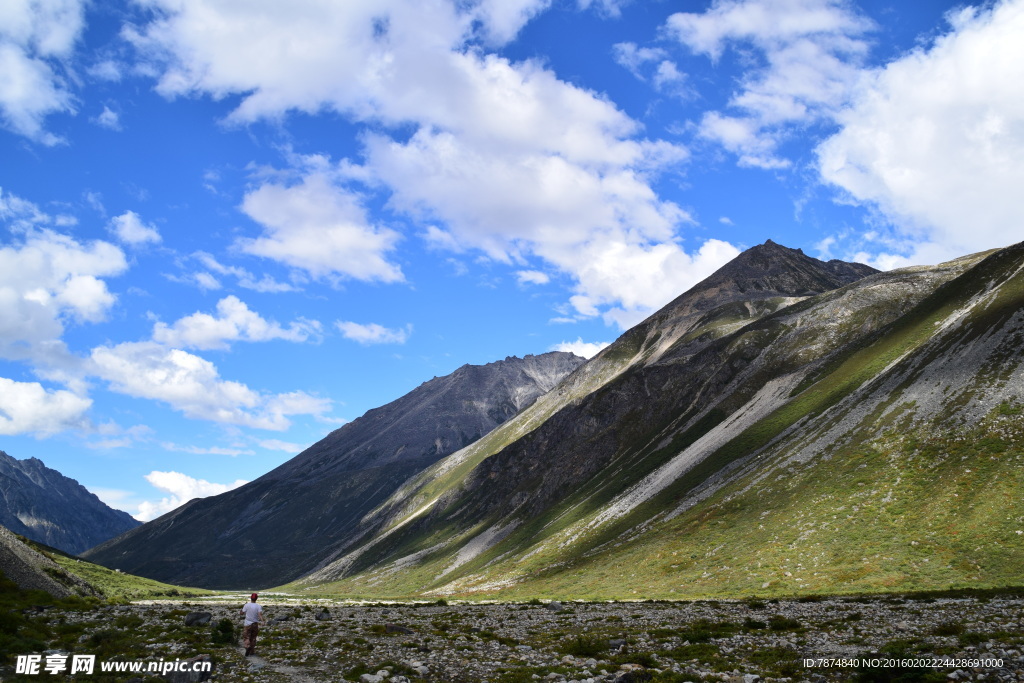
(182, 488)
(130, 229)
(193, 386)
(504, 157)
(35, 37)
(809, 55)
(46, 280)
(29, 408)
(580, 347)
(319, 227)
(234, 322)
(935, 140)
(372, 333)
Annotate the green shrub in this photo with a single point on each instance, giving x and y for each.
(223, 633)
(781, 623)
(949, 628)
(585, 645)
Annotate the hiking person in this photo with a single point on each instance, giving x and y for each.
(253, 618)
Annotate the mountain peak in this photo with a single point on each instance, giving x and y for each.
(771, 245)
(42, 504)
(766, 271)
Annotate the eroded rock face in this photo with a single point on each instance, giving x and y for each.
(42, 504)
(292, 519)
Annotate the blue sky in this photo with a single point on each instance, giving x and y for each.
(229, 228)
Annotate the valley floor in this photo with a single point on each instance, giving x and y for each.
(982, 639)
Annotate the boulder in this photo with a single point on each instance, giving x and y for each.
(198, 618)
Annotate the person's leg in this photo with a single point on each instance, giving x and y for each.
(249, 638)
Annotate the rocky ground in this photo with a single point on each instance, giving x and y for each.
(909, 639)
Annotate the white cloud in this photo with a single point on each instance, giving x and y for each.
(130, 229)
(580, 347)
(502, 19)
(600, 226)
(667, 74)
(206, 450)
(46, 280)
(108, 118)
(533, 277)
(510, 159)
(206, 282)
(29, 408)
(182, 488)
(373, 333)
(193, 386)
(35, 37)
(278, 445)
(234, 322)
(633, 57)
(320, 228)
(20, 213)
(809, 56)
(935, 140)
(106, 70)
(633, 281)
(119, 499)
(263, 284)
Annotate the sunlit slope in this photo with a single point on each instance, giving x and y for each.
(758, 282)
(875, 443)
(596, 446)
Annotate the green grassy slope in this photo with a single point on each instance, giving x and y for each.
(112, 584)
(926, 508)
(898, 501)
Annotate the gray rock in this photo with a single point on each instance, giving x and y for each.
(323, 615)
(397, 628)
(198, 618)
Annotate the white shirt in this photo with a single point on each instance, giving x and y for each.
(252, 612)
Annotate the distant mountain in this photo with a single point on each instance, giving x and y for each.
(786, 426)
(302, 514)
(42, 504)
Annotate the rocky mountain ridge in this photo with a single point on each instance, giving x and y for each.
(44, 505)
(284, 524)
